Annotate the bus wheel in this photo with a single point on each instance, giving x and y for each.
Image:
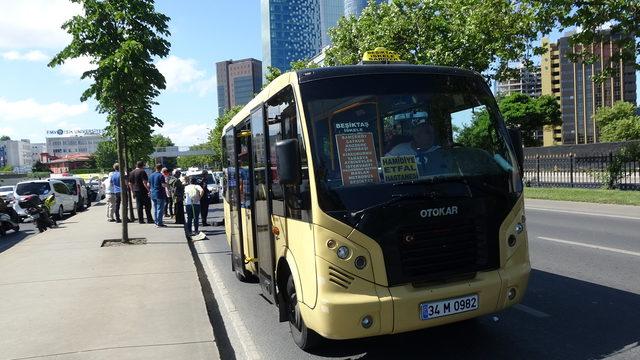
(304, 337)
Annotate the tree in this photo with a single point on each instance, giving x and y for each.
(159, 140)
(4, 138)
(196, 160)
(40, 167)
(620, 16)
(519, 111)
(479, 35)
(106, 155)
(215, 135)
(122, 38)
(618, 123)
(529, 114)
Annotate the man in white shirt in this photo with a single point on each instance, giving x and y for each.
(192, 195)
(110, 198)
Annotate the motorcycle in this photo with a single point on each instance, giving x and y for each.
(9, 219)
(38, 211)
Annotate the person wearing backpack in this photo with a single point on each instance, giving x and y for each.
(192, 195)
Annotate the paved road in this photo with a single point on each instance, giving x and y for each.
(583, 301)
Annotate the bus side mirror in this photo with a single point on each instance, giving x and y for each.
(288, 156)
(516, 140)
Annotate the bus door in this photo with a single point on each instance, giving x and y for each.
(262, 235)
(239, 199)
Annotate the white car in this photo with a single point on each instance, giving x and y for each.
(78, 189)
(212, 184)
(64, 201)
(7, 193)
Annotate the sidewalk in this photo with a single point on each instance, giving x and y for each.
(62, 296)
(584, 207)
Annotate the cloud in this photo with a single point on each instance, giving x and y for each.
(179, 72)
(203, 87)
(185, 135)
(76, 67)
(33, 55)
(35, 23)
(32, 110)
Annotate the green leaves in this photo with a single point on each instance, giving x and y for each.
(618, 123)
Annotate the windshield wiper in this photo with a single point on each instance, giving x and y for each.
(395, 198)
(466, 180)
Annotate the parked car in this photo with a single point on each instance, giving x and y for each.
(7, 193)
(64, 201)
(212, 184)
(96, 189)
(78, 189)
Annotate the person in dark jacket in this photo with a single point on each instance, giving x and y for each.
(204, 202)
(177, 187)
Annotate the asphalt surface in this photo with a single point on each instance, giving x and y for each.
(583, 302)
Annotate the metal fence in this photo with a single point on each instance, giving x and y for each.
(579, 171)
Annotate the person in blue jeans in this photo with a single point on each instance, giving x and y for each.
(157, 188)
(192, 195)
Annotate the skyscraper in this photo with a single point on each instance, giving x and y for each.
(330, 12)
(355, 7)
(526, 82)
(238, 81)
(291, 30)
(579, 95)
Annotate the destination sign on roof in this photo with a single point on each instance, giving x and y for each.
(381, 54)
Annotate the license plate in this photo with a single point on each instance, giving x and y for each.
(436, 309)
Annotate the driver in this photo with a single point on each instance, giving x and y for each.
(423, 141)
(422, 146)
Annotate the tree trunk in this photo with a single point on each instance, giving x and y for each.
(123, 168)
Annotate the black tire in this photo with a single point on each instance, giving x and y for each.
(60, 212)
(16, 228)
(75, 210)
(305, 338)
(3, 231)
(80, 204)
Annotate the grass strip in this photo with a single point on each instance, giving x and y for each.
(620, 197)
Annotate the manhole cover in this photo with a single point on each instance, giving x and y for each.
(118, 242)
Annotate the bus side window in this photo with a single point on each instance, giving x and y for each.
(297, 199)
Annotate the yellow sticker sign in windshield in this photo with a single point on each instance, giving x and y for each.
(382, 55)
(399, 168)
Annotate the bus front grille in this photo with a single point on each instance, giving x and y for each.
(439, 252)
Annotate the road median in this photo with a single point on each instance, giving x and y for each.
(600, 196)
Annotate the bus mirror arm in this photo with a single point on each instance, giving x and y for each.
(516, 140)
(288, 156)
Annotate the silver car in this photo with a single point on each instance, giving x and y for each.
(7, 193)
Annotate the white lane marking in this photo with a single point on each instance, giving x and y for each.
(583, 213)
(619, 251)
(233, 315)
(531, 311)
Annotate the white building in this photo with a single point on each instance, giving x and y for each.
(17, 153)
(65, 145)
(36, 150)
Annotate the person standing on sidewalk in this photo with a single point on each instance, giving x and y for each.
(139, 182)
(192, 196)
(204, 202)
(116, 190)
(168, 207)
(109, 198)
(177, 189)
(158, 189)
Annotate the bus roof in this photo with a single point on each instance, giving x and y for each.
(307, 75)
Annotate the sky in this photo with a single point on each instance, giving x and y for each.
(35, 98)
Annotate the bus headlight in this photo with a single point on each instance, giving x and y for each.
(343, 252)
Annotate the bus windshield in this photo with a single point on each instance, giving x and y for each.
(379, 137)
